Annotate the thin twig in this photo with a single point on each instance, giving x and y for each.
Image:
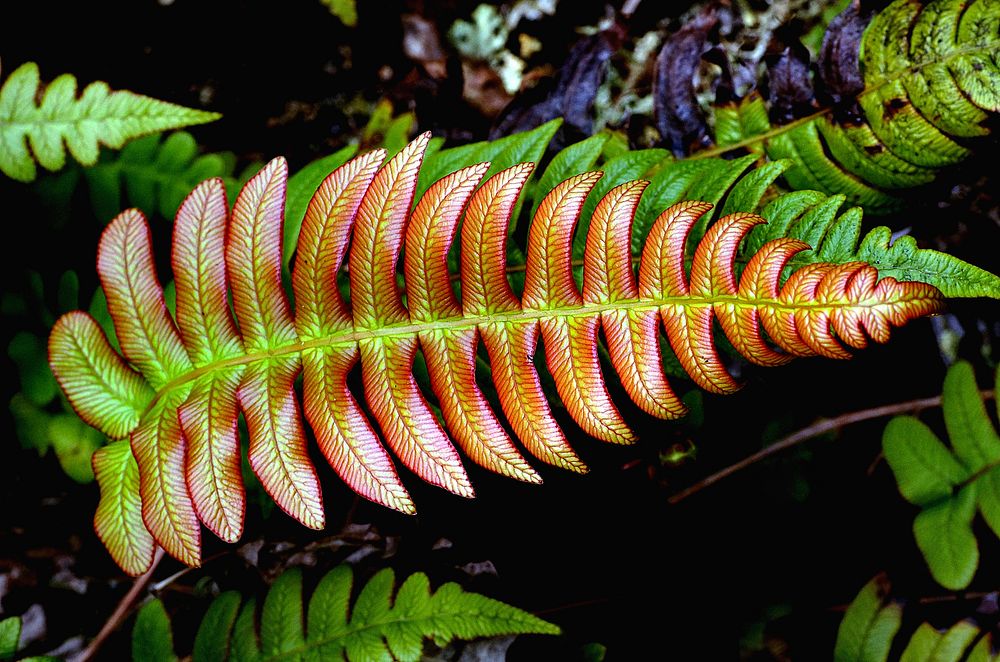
(819, 427)
(962, 596)
(162, 585)
(121, 612)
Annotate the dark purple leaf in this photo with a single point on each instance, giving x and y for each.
(790, 88)
(570, 94)
(725, 88)
(839, 62)
(681, 122)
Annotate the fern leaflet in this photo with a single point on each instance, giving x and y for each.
(179, 404)
(99, 116)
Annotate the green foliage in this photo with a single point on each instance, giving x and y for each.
(10, 634)
(733, 186)
(391, 132)
(930, 79)
(155, 174)
(109, 394)
(949, 484)
(345, 10)
(43, 420)
(99, 116)
(503, 153)
(152, 638)
(872, 621)
(869, 625)
(812, 217)
(376, 626)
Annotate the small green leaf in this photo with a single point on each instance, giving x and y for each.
(869, 625)
(397, 134)
(212, 641)
(281, 618)
(922, 644)
(74, 443)
(618, 170)
(988, 496)
(527, 147)
(152, 638)
(944, 535)
(244, 646)
(345, 10)
(747, 193)
(10, 634)
(155, 173)
(594, 652)
(928, 644)
(29, 354)
(925, 469)
(969, 427)
(578, 157)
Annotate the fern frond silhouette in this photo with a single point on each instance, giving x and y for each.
(179, 390)
(61, 120)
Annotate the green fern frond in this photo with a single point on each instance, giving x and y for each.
(869, 628)
(60, 120)
(376, 625)
(949, 484)
(931, 79)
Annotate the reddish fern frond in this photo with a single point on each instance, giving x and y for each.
(195, 376)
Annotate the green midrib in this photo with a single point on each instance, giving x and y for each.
(185, 115)
(869, 89)
(352, 336)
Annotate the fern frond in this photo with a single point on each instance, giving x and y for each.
(931, 79)
(99, 116)
(180, 409)
(379, 623)
(872, 621)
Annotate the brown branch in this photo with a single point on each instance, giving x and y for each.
(120, 613)
(819, 427)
